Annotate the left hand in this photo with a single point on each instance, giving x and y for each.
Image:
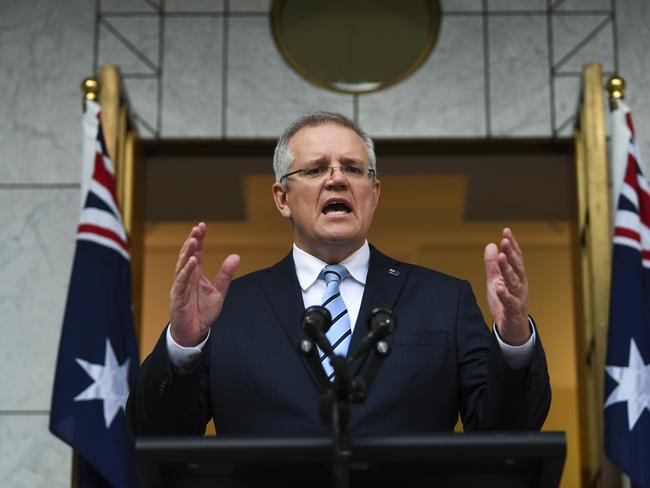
(507, 289)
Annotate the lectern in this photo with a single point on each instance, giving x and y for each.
(488, 459)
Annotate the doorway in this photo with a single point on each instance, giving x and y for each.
(441, 203)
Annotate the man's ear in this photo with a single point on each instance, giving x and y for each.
(376, 191)
(280, 197)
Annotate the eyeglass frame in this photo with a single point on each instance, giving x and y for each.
(370, 172)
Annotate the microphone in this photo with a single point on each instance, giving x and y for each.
(317, 320)
(381, 323)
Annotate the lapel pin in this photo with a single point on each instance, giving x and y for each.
(393, 271)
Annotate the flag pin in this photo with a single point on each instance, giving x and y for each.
(393, 272)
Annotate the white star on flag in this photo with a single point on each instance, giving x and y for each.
(111, 383)
(633, 385)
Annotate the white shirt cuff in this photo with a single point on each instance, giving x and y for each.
(518, 356)
(180, 356)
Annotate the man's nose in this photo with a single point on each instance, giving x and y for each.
(336, 175)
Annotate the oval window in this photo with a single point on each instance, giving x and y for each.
(355, 46)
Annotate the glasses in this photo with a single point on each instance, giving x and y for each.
(350, 171)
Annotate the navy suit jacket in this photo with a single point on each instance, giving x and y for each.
(252, 379)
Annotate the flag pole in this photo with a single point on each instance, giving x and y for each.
(90, 89)
(618, 147)
(594, 262)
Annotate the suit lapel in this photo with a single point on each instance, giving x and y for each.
(383, 285)
(282, 290)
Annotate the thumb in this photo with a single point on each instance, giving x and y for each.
(226, 273)
(490, 258)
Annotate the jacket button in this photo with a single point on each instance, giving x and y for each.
(532, 384)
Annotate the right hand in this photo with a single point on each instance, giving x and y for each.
(195, 300)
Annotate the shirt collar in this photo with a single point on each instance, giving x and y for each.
(308, 267)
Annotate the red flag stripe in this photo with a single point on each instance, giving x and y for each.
(109, 234)
(634, 235)
(623, 232)
(103, 176)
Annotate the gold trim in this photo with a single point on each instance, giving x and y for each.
(121, 171)
(595, 238)
(616, 90)
(109, 79)
(133, 214)
(616, 87)
(128, 179)
(276, 13)
(90, 89)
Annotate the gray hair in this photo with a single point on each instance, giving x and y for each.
(283, 157)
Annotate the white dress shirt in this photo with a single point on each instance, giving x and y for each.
(308, 268)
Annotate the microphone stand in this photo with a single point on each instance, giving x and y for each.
(335, 403)
(339, 400)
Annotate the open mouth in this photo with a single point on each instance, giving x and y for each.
(336, 208)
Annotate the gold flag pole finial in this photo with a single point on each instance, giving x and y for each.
(90, 89)
(616, 89)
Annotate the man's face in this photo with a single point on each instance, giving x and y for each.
(331, 215)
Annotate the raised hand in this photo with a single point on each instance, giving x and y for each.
(196, 301)
(507, 289)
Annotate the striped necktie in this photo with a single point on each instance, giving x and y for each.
(340, 332)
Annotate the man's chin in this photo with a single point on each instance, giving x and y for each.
(344, 241)
(340, 235)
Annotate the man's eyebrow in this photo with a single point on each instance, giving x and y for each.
(320, 160)
(327, 159)
(350, 160)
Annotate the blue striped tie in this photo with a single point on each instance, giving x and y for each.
(340, 332)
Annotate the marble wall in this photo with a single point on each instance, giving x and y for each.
(45, 50)
(221, 76)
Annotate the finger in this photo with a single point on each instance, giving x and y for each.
(515, 259)
(511, 278)
(183, 250)
(508, 234)
(183, 277)
(200, 237)
(490, 257)
(515, 254)
(188, 250)
(226, 273)
(190, 246)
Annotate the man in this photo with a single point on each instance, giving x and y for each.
(231, 349)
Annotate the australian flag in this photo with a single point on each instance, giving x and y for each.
(97, 352)
(627, 378)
